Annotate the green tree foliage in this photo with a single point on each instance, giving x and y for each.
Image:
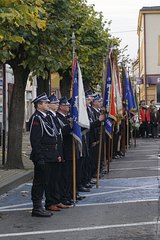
(35, 37)
(21, 21)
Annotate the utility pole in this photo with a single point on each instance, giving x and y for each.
(4, 116)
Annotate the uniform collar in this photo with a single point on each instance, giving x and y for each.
(43, 113)
(54, 113)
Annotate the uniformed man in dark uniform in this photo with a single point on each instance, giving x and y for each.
(96, 104)
(62, 115)
(95, 122)
(56, 181)
(44, 152)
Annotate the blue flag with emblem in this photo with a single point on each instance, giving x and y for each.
(129, 100)
(107, 99)
(74, 113)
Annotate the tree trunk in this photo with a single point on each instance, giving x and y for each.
(16, 118)
(43, 85)
(65, 83)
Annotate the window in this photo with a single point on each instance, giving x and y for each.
(158, 50)
(158, 93)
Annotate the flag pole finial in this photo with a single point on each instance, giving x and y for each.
(73, 38)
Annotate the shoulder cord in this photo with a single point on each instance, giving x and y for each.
(61, 123)
(32, 124)
(54, 126)
(43, 126)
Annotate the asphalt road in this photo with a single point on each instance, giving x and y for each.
(126, 205)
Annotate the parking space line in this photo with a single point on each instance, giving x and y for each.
(79, 229)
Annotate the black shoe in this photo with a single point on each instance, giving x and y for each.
(68, 203)
(88, 185)
(82, 196)
(116, 157)
(83, 189)
(93, 182)
(79, 198)
(41, 213)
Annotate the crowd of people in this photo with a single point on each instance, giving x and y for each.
(149, 119)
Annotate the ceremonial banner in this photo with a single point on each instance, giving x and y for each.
(78, 104)
(113, 110)
(107, 99)
(74, 113)
(83, 119)
(128, 94)
(118, 92)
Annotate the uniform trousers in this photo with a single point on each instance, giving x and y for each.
(66, 181)
(46, 178)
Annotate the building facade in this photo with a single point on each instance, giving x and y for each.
(149, 53)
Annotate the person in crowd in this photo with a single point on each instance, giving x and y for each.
(155, 120)
(152, 105)
(144, 119)
(66, 125)
(93, 139)
(96, 109)
(151, 108)
(44, 153)
(55, 181)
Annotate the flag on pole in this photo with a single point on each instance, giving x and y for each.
(118, 92)
(133, 102)
(129, 100)
(83, 119)
(78, 106)
(107, 99)
(113, 110)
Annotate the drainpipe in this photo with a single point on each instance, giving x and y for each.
(139, 32)
(145, 60)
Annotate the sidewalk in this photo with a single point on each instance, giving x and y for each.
(13, 177)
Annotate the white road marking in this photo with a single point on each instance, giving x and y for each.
(117, 179)
(79, 229)
(136, 168)
(134, 161)
(119, 202)
(16, 205)
(88, 204)
(118, 191)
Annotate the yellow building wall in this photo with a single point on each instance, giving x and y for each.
(55, 84)
(151, 93)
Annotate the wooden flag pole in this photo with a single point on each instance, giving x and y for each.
(109, 153)
(105, 157)
(73, 141)
(99, 155)
(131, 134)
(112, 141)
(135, 134)
(74, 172)
(127, 132)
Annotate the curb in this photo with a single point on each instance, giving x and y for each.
(16, 181)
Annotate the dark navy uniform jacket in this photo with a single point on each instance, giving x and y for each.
(58, 130)
(67, 137)
(43, 139)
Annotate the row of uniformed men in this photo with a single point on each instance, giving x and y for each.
(51, 142)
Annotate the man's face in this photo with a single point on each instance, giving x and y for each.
(88, 101)
(143, 104)
(54, 106)
(97, 104)
(64, 108)
(43, 106)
